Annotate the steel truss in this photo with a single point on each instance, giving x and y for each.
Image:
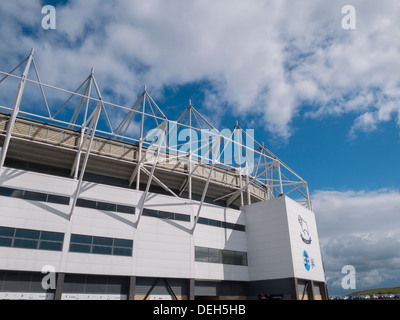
(191, 142)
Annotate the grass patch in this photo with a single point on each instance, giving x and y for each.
(376, 291)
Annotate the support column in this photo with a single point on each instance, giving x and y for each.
(191, 284)
(324, 290)
(59, 287)
(93, 119)
(14, 114)
(310, 290)
(294, 289)
(132, 288)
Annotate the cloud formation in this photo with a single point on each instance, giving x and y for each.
(270, 59)
(360, 229)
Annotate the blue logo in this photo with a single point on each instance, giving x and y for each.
(306, 260)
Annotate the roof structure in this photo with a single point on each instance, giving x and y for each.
(185, 157)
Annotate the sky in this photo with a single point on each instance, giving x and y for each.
(325, 99)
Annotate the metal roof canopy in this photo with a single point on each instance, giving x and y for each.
(191, 141)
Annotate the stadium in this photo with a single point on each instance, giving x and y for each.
(122, 203)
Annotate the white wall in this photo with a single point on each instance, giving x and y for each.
(268, 242)
(275, 246)
(316, 271)
(162, 248)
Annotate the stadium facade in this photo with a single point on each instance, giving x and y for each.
(122, 203)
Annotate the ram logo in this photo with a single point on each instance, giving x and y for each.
(305, 233)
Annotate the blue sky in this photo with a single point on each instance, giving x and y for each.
(325, 100)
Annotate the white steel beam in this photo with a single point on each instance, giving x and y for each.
(159, 182)
(140, 143)
(143, 199)
(84, 136)
(94, 119)
(214, 159)
(13, 117)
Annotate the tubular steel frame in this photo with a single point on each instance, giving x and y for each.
(205, 144)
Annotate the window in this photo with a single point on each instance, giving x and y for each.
(80, 243)
(165, 215)
(105, 206)
(86, 203)
(125, 209)
(58, 199)
(33, 195)
(241, 258)
(201, 254)
(214, 255)
(100, 245)
(228, 257)
(221, 224)
(220, 256)
(31, 239)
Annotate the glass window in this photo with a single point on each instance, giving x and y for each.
(50, 245)
(122, 252)
(5, 242)
(78, 238)
(35, 196)
(241, 258)
(214, 255)
(86, 203)
(166, 215)
(28, 239)
(150, 212)
(182, 217)
(125, 209)
(239, 227)
(17, 193)
(7, 232)
(215, 223)
(228, 257)
(100, 245)
(54, 236)
(201, 254)
(101, 250)
(106, 206)
(26, 244)
(6, 192)
(58, 199)
(123, 243)
(29, 234)
(84, 248)
(202, 220)
(103, 241)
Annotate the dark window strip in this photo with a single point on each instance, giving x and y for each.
(221, 224)
(98, 205)
(165, 215)
(31, 239)
(100, 245)
(33, 195)
(211, 255)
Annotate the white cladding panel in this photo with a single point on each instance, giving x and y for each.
(282, 241)
(161, 248)
(216, 271)
(33, 181)
(305, 246)
(268, 243)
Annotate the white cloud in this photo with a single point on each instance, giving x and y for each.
(360, 228)
(357, 213)
(269, 59)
